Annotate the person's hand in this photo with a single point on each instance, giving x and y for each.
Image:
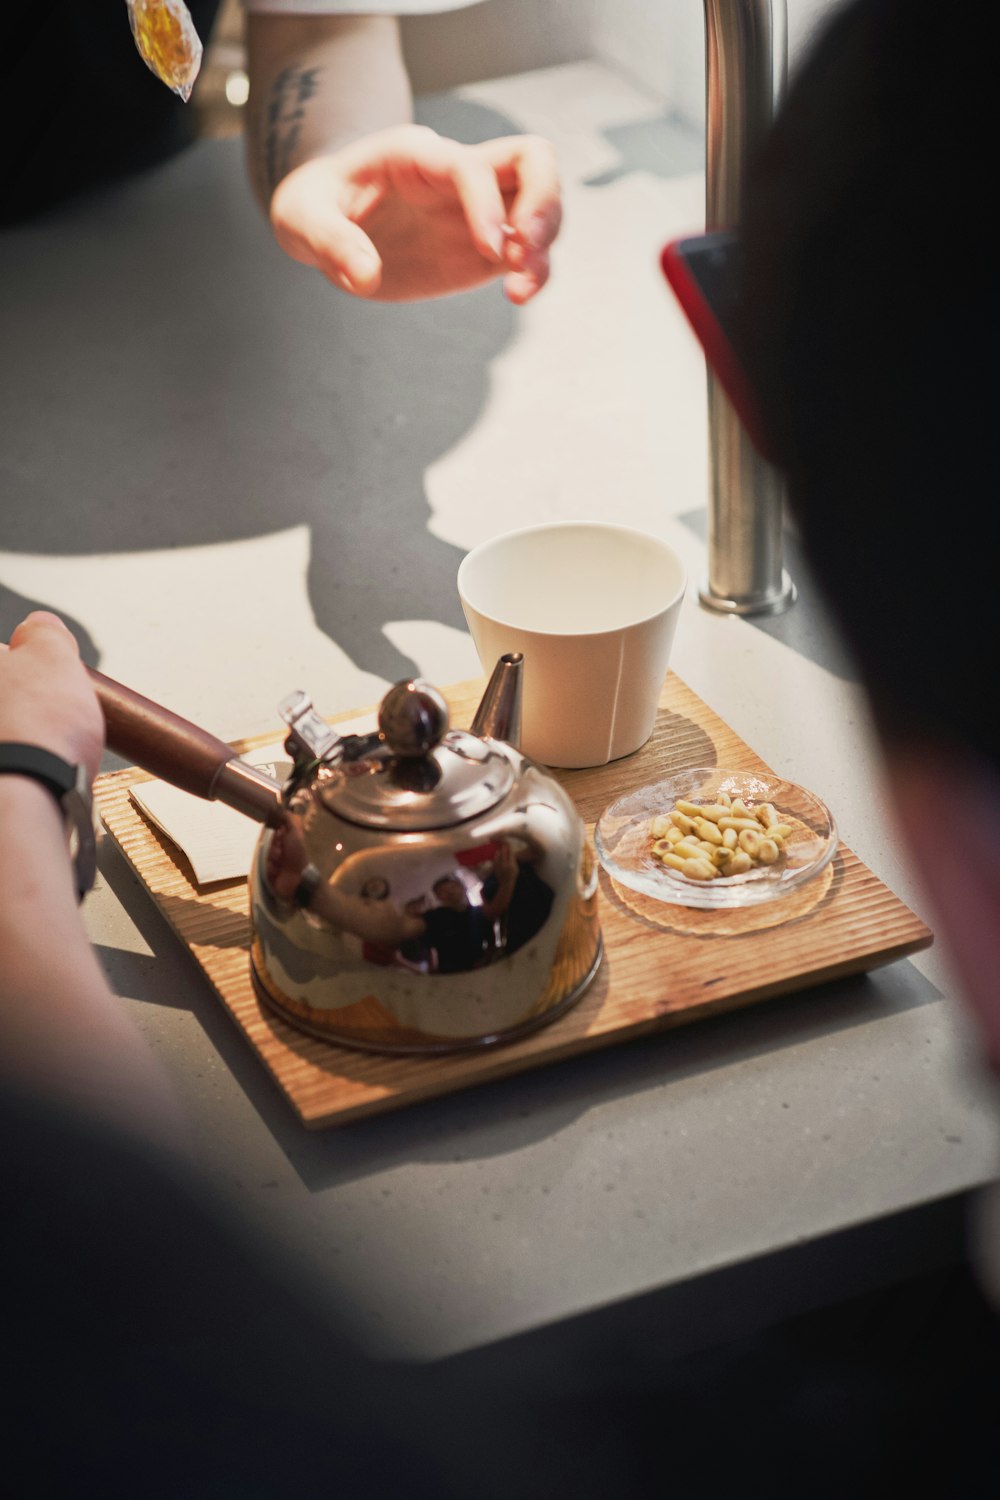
(286, 857)
(406, 214)
(62, 1032)
(46, 697)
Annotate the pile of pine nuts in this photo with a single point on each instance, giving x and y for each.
(705, 841)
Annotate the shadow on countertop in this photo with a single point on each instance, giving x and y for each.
(171, 380)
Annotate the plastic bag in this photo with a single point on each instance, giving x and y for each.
(167, 42)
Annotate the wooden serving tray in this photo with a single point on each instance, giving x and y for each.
(663, 965)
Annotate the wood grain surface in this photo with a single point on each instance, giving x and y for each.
(663, 965)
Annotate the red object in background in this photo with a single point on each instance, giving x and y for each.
(478, 855)
(700, 270)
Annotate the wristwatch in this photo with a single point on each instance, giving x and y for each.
(70, 786)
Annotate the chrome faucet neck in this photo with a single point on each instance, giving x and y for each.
(745, 68)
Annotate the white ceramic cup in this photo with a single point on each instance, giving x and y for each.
(594, 608)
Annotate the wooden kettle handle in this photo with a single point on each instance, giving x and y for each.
(180, 752)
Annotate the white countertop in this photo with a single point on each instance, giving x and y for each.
(235, 481)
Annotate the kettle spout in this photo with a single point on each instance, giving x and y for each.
(498, 716)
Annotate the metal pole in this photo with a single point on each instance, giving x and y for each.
(745, 65)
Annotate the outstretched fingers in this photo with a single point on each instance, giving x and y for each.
(528, 174)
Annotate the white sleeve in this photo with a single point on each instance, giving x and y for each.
(356, 7)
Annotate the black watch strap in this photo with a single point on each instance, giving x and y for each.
(43, 765)
(70, 787)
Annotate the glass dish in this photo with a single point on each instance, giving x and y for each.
(623, 840)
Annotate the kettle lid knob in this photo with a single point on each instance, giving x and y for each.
(413, 717)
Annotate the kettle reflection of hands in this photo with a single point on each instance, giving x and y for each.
(286, 857)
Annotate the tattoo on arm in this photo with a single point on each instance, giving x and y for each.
(281, 124)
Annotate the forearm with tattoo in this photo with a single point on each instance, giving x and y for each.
(316, 84)
(284, 119)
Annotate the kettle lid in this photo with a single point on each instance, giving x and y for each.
(419, 774)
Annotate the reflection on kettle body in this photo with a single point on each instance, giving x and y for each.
(471, 907)
(485, 910)
(457, 933)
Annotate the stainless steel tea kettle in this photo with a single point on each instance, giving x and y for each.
(417, 889)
